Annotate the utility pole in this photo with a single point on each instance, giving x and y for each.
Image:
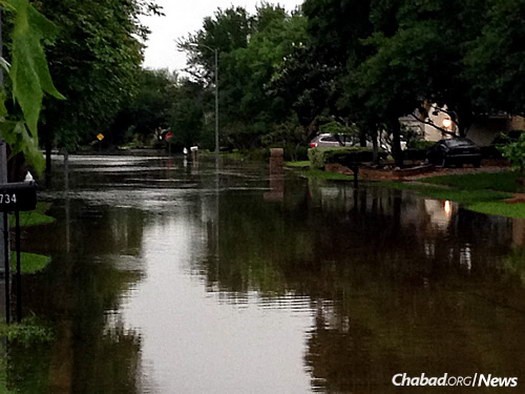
(216, 52)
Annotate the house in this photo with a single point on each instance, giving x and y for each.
(482, 132)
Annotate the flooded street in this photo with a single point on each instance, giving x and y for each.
(168, 277)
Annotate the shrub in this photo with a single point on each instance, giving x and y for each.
(515, 152)
(421, 144)
(319, 157)
(414, 154)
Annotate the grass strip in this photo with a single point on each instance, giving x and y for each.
(481, 192)
(30, 263)
(37, 217)
(325, 175)
(500, 181)
(298, 164)
(499, 208)
(30, 331)
(458, 195)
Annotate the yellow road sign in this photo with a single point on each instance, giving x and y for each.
(100, 136)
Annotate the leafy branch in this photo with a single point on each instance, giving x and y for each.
(430, 123)
(30, 79)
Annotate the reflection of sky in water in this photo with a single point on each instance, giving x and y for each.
(235, 344)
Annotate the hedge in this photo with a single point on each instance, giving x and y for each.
(319, 157)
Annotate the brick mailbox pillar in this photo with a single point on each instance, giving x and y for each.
(276, 160)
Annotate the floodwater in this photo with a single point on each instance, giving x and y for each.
(172, 277)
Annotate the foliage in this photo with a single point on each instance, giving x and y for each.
(502, 181)
(30, 263)
(30, 79)
(335, 127)
(250, 50)
(147, 112)
(34, 218)
(28, 332)
(319, 157)
(290, 136)
(494, 60)
(186, 117)
(420, 144)
(364, 63)
(96, 61)
(515, 152)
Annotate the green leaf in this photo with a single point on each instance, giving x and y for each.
(30, 73)
(18, 137)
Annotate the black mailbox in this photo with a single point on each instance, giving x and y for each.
(17, 196)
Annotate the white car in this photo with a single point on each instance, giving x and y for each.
(328, 140)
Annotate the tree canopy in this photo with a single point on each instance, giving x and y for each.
(251, 49)
(359, 63)
(95, 60)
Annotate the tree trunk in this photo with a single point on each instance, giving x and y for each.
(464, 119)
(49, 147)
(395, 128)
(375, 146)
(362, 138)
(47, 137)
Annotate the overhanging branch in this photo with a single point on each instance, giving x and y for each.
(430, 123)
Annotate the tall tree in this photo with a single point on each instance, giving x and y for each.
(95, 59)
(494, 60)
(251, 49)
(149, 108)
(187, 116)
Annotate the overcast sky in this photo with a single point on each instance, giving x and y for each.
(183, 17)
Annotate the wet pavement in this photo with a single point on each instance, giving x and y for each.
(172, 277)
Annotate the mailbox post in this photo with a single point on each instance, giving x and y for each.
(15, 197)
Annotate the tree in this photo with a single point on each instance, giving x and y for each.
(251, 49)
(95, 59)
(398, 54)
(305, 85)
(30, 79)
(187, 116)
(149, 108)
(495, 59)
(275, 36)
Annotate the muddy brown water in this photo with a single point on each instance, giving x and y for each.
(170, 277)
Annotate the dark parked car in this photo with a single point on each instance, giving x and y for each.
(454, 152)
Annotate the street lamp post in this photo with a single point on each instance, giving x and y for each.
(216, 53)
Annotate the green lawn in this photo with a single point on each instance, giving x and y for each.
(30, 263)
(326, 175)
(501, 181)
(298, 164)
(34, 218)
(480, 192)
(462, 196)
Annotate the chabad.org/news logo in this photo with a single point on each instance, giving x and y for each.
(446, 380)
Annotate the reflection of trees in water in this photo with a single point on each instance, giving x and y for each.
(380, 325)
(407, 294)
(78, 294)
